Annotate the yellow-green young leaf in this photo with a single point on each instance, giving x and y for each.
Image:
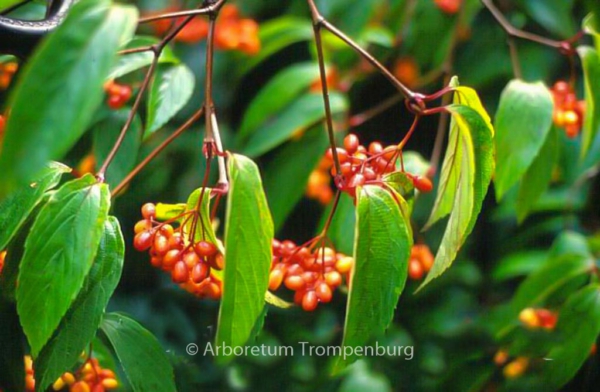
(578, 326)
(274, 300)
(15, 209)
(537, 178)
(78, 328)
(381, 253)
(466, 174)
(591, 73)
(248, 237)
(169, 211)
(467, 96)
(143, 360)
(59, 253)
(61, 88)
(522, 122)
(203, 229)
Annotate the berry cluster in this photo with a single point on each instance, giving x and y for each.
(420, 262)
(2, 258)
(90, 377)
(449, 6)
(568, 111)
(231, 31)
(171, 249)
(118, 94)
(319, 183)
(7, 72)
(312, 274)
(538, 318)
(360, 166)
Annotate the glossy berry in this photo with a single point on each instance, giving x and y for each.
(143, 240)
(310, 301)
(516, 368)
(205, 249)
(420, 261)
(422, 184)
(449, 6)
(149, 210)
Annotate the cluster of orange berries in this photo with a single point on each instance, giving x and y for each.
(190, 264)
(319, 183)
(7, 72)
(420, 261)
(231, 31)
(514, 368)
(91, 377)
(538, 318)
(449, 6)
(312, 274)
(118, 94)
(360, 166)
(568, 111)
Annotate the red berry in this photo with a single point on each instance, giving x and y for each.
(143, 240)
(310, 301)
(161, 244)
(294, 282)
(199, 272)
(171, 258)
(191, 259)
(351, 143)
(415, 269)
(180, 273)
(205, 249)
(323, 292)
(423, 184)
(149, 210)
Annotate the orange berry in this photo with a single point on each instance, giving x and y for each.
(161, 244)
(143, 240)
(351, 143)
(110, 383)
(294, 282)
(449, 6)
(415, 269)
(547, 319)
(190, 259)
(516, 368)
(344, 265)
(180, 272)
(406, 70)
(217, 262)
(205, 249)
(199, 272)
(310, 301)
(333, 278)
(323, 292)
(141, 226)
(171, 258)
(423, 184)
(149, 210)
(529, 318)
(500, 357)
(275, 279)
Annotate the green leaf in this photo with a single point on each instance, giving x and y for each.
(518, 264)
(106, 132)
(169, 211)
(78, 328)
(300, 115)
(248, 237)
(590, 24)
(12, 369)
(579, 326)
(15, 209)
(144, 362)
(61, 88)
(59, 253)
(276, 95)
(466, 174)
(591, 74)
(381, 253)
(134, 61)
(276, 35)
(171, 89)
(286, 175)
(537, 178)
(523, 120)
(555, 16)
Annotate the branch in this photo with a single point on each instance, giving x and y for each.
(208, 10)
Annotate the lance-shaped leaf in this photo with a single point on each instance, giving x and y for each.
(59, 253)
(15, 209)
(171, 89)
(466, 175)
(537, 178)
(134, 61)
(591, 74)
(78, 328)
(248, 237)
(579, 326)
(144, 362)
(523, 120)
(381, 252)
(61, 88)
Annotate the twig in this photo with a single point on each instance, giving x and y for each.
(514, 58)
(210, 9)
(158, 150)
